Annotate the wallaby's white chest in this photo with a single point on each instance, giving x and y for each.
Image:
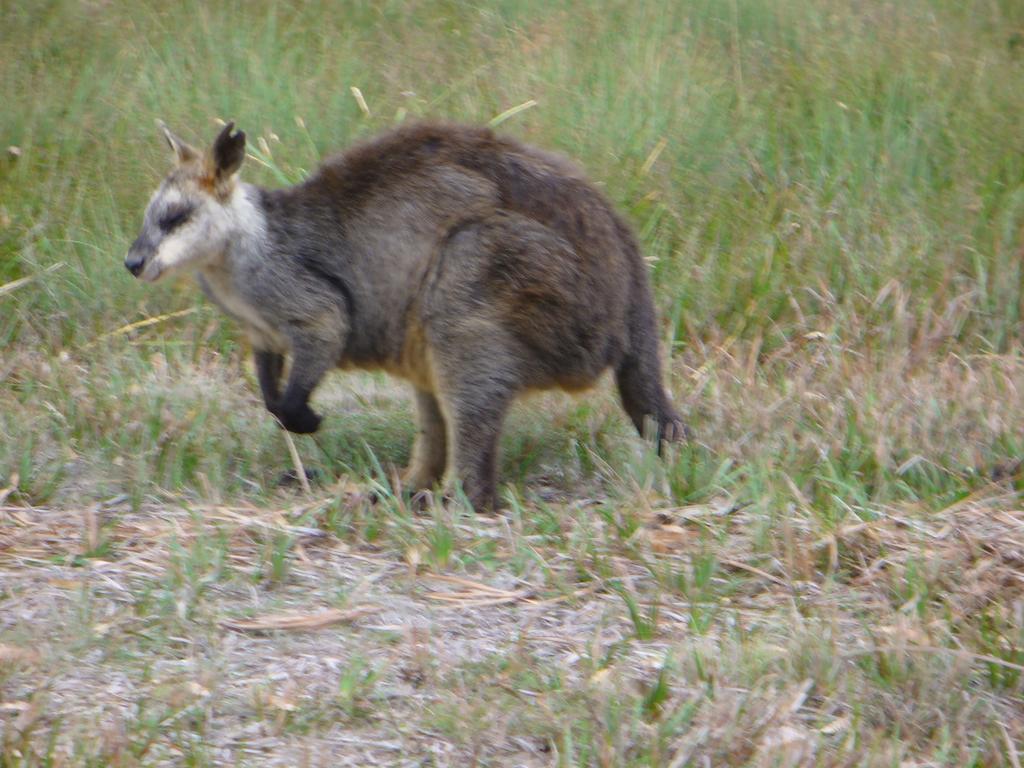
(218, 286)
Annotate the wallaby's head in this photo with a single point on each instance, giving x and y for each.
(194, 214)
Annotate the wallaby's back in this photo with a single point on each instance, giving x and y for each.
(398, 197)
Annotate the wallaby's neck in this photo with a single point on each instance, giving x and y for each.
(228, 280)
(249, 227)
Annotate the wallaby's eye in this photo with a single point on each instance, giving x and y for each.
(174, 219)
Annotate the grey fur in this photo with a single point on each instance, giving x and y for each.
(471, 265)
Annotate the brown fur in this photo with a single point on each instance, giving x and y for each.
(472, 265)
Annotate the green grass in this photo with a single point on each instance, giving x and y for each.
(831, 199)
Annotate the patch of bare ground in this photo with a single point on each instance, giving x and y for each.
(146, 637)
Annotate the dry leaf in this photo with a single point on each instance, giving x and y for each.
(413, 556)
(65, 583)
(12, 486)
(837, 725)
(284, 703)
(786, 746)
(299, 621)
(11, 654)
(668, 538)
(29, 715)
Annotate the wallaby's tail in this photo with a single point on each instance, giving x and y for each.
(638, 375)
(639, 380)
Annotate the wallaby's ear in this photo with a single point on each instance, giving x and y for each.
(228, 153)
(182, 151)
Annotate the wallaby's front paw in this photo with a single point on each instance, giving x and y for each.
(301, 421)
(304, 422)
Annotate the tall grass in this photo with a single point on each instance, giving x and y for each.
(813, 153)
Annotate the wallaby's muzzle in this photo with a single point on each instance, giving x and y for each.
(135, 261)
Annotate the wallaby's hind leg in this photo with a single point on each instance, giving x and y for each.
(475, 415)
(478, 374)
(430, 450)
(638, 376)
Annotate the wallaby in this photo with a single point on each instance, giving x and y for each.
(470, 264)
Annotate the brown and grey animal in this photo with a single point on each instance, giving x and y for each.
(470, 264)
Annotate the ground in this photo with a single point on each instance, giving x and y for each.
(599, 624)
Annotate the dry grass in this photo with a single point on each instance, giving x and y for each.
(786, 668)
(610, 627)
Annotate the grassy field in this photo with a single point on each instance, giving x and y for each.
(831, 198)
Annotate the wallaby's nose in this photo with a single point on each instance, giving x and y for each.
(136, 258)
(134, 264)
